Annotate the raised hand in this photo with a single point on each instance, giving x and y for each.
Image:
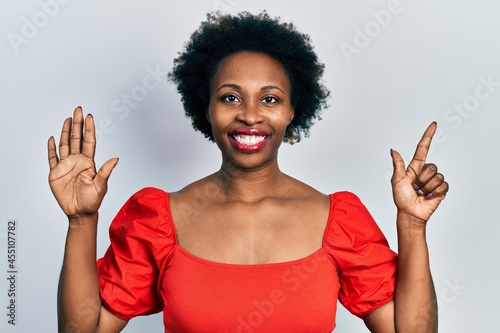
(419, 189)
(73, 179)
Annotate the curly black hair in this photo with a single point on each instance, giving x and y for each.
(224, 34)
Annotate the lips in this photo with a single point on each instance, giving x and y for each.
(249, 140)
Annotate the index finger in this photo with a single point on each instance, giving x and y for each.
(422, 150)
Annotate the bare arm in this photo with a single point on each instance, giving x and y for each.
(415, 299)
(79, 304)
(418, 190)
(415, 305)
(79, 190)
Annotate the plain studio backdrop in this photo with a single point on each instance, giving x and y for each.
(392, 67)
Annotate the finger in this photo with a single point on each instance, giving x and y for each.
(398, 165)
(433, 184)
(426, 173)
(101, 179)
(422, 149)
(76, 132)
(64, 139)
(51, 149)
(88, 146)
(439, 192)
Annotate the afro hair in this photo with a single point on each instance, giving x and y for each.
(222, 35)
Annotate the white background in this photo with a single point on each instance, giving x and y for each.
(409, 71)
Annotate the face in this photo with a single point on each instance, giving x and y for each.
(249, 108)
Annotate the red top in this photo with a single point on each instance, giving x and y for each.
(145, 271)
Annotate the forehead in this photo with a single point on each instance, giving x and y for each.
(251, 68)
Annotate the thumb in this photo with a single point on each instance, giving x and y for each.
(398, 166)
(101, 179)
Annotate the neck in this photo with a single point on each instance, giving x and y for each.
(252, 185)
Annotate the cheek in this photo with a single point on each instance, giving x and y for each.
(282, 120)
(218, 121)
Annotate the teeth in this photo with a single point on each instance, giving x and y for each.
(249, 139)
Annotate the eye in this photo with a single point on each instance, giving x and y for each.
(269, 100)
(229, 98)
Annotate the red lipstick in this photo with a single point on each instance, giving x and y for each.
(249, 140)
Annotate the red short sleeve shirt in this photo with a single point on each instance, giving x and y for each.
(145, 271)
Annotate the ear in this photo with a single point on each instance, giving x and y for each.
(207, 115)
(291, 115)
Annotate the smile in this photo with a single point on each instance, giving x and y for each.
(249, 139)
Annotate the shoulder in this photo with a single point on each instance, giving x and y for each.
(204, 187)
(148, 193)
(148, 206)
(350, 224)
(145, 198)
(197, 196)
(344, 196)
(303, 191)
(346, 203)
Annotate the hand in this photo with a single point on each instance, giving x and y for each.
(419, 189)
(73, 179)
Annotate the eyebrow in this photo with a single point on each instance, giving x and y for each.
(237, 87)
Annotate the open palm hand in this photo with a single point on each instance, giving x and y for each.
(77, 186)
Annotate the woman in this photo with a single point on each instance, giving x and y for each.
(248, 248)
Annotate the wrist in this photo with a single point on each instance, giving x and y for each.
(410, 224)
(83, 220)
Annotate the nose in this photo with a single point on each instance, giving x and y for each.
(250, 114)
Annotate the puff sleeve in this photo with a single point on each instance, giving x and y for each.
(367, 266)
(130, 272)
